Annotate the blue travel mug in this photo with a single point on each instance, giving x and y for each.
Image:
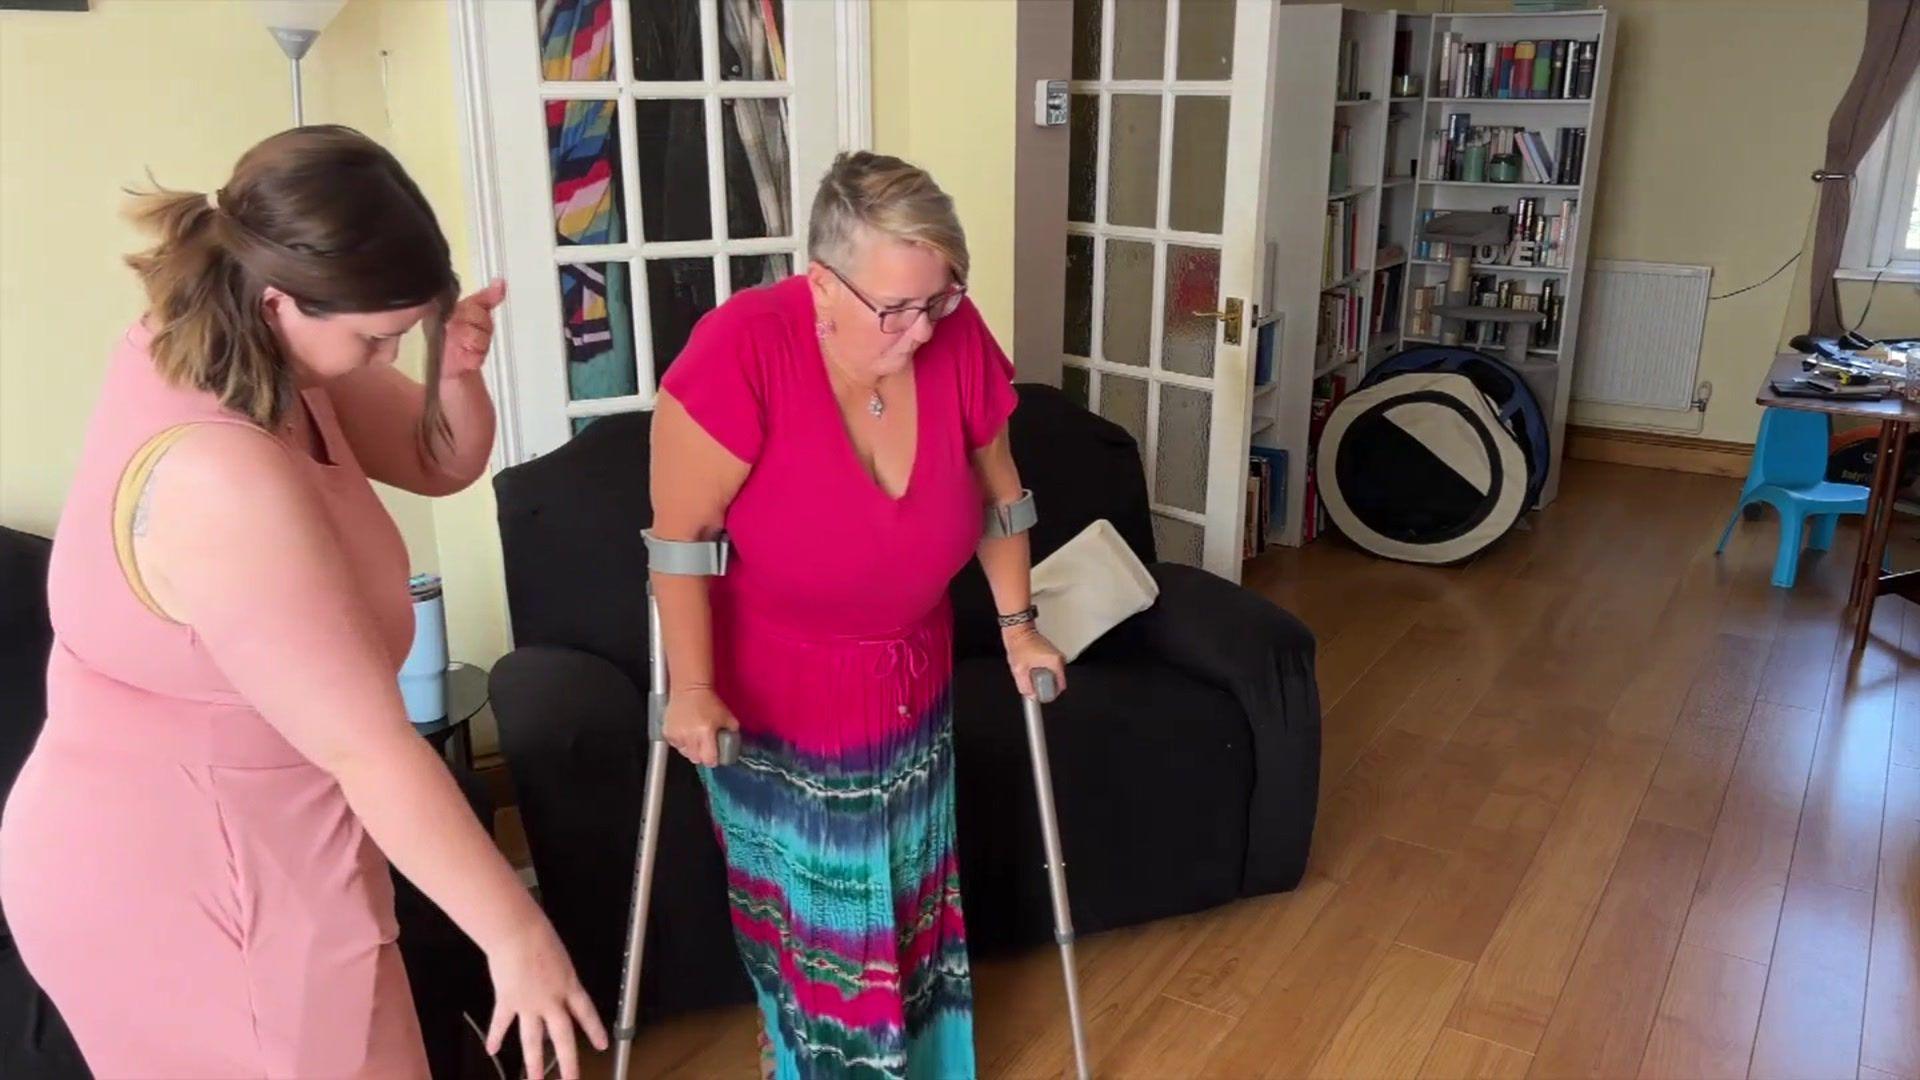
(423, 678)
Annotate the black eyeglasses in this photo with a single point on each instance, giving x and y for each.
(895, 320)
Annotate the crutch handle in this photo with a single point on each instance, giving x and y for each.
(726, 743)
(1045, 687)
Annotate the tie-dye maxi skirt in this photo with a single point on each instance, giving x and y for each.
(842, 869)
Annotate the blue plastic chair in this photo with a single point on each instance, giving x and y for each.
(1789, 474)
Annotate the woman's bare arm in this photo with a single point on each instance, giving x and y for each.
(694, 480)
(379, 410)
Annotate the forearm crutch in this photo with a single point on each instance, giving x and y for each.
(1044, 691)
(1010, 520)
(693, 558)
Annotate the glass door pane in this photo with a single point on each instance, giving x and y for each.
(674, 134)
(1147, 222)
(576, 40)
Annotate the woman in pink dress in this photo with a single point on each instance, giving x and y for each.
(193, 861)
(847, 429)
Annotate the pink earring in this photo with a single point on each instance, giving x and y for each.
(822, 328)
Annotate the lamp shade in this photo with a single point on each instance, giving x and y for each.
(296, 23)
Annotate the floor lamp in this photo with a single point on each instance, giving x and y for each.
(295, 25)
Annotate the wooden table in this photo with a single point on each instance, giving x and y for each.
(1896, 416)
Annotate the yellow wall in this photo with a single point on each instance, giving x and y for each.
(417, 39)
(89, 103)
(1707, 159)
(943, 97)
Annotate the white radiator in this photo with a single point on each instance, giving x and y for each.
(1640, 329)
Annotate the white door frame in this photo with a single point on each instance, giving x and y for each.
(486, 216)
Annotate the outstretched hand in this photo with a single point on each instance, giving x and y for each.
(535, 988)
(470, 331)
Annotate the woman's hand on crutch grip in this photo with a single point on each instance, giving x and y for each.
(695, 718)
(535, 988)
(1028, 650)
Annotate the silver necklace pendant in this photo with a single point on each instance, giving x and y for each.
(876, 406)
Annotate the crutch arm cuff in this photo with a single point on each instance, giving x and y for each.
(1011, 519)
(691, 558)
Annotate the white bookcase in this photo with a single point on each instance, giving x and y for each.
(1387, 186)
(1549, 367)
(1317, 43)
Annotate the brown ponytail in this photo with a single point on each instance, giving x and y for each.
(325, 215)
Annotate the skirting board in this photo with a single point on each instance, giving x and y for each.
(1652, 450)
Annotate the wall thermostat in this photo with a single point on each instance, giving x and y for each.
(1050, 102)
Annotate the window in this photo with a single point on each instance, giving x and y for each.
(1883, 230)
(638, 161)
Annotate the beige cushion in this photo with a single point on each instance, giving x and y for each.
(1088, 587)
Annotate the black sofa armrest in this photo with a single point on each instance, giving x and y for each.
(573, 731)
(1234, 639)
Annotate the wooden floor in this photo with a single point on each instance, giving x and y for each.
(1599, 804)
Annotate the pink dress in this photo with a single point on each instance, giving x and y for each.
(833, 647)
(195, 896)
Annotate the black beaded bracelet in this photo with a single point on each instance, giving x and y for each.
(1019, 618)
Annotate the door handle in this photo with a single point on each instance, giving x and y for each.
(1229, 314)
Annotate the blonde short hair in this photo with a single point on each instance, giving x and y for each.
(868, 191)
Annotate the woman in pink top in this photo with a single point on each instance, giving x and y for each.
(192, 859)
(847, 429)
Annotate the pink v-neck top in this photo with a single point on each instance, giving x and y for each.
(819, 547)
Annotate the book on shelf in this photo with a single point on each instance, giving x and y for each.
(1552, 295)
(1339, 326)
(1529, 70)
(1540, 238)
(1572, 157)
(1266, 497)
(1339, 176)
(1428, 250)
(1387, 284)
(1253, 538)
(1327, 392)
(1490, 290)
(1266, 334)
(1420, 320)
(1461, 149)
(1340, 255)
(1347, 81)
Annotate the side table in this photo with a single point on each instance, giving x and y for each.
(452, 735)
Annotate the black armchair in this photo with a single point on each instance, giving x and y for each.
(1186, 754)
(34, 1041)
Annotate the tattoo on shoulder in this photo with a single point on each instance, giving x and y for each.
(141, 507)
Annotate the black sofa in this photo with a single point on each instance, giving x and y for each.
(448, 973)
(1186, 754)
(34, 1042)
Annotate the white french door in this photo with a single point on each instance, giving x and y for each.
(647, 159)
(1168, 148)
